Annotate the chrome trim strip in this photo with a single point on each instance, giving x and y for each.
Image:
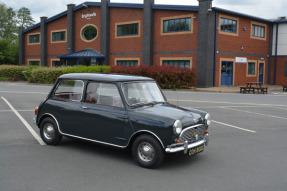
(80, 137)
(101, 141)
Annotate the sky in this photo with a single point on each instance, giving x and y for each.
(267, 9)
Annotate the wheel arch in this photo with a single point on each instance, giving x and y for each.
(144, 132)
(45, 115)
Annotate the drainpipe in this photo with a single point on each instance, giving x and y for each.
(276, 49)
(215, 48)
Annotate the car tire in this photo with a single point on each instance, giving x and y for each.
(49, 132)
(147, 151)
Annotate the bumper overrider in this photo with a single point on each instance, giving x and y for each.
(187, 146)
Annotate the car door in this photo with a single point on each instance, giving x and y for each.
(103, 115)
(64, 104)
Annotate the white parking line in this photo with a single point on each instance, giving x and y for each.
(36, 136)
(255, 113)
(43, 93)
(234, 126)
(222, 102)
(4, 111)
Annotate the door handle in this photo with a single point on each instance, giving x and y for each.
(84, 107)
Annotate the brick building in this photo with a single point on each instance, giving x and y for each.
(223, 47)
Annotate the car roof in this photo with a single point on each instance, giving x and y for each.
(104, 77)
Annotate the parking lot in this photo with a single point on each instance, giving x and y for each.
(247, 149)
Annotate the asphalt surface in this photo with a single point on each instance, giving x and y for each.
(247, 150)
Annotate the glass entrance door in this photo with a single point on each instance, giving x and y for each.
(261, 72)
(226, 73)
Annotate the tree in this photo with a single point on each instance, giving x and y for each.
(24, 18)
(8, 52)
(8, 27)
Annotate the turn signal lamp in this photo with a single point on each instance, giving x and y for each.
(206, 132)
(176, 141)
(36, 110)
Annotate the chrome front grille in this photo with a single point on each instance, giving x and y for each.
(192, 134)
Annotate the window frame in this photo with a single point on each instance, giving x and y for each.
(127, 59)
(261, 25)
(34, 43)
(128, 23)
(100, 104)
(63, 99)
(162, 59)
(255, 68)
(85, 40)
(58, 31)
(177, 18)
(230, 18)
(34, 60)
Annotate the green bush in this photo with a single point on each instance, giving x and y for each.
(12, 72)
(50, 75)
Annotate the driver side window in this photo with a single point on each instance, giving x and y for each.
(103, 94)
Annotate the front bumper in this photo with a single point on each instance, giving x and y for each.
(185, 146)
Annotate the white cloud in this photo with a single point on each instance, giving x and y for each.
(261, 8)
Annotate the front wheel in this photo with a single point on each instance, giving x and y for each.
(147, 152)
(49, 132)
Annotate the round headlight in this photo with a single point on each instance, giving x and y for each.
(207, 119)
(177, 127)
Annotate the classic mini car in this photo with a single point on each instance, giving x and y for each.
(121, 111)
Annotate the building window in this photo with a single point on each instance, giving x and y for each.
(177, 25)
(34, 63)
(58, 36)
(89, 33)
(228, 25)
(258, 31)
(251, 68)
(128, 29)
(34, 39)
(57, 63)
(177, 63)
(127, 63)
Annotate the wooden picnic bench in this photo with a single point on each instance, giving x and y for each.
(254, 87)
(284, 88)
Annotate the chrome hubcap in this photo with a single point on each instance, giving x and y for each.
(146, 152)
(48, 131)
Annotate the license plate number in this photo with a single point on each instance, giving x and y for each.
(196, 150)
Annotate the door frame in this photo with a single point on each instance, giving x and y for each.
(233, 71)
(261, 61)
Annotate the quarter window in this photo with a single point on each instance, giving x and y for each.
(103, 94)
(228, 25)
(177, 63)
(33, 39)
(251, 68)
(258, 31)
(89, 33)
(128, 29)
(69, 90)
(127, 63)
(59, 36)
(177, 25)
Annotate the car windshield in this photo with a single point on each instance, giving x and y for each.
(141, 93)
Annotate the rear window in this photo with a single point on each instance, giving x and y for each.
(69, 90)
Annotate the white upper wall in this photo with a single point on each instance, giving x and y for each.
(282, 39)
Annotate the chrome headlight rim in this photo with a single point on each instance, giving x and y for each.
(177, 127)
(207, 119)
